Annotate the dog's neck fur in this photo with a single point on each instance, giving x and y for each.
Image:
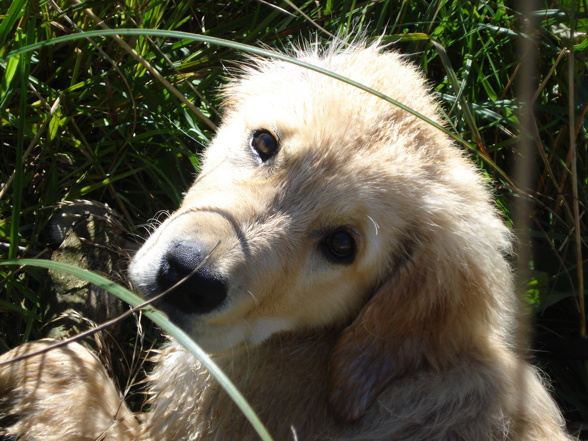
(276, 378)
(277, 373)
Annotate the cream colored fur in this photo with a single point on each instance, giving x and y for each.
(411, 340)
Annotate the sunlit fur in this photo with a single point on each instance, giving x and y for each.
(412, 340)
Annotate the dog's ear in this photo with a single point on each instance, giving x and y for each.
(410, 321)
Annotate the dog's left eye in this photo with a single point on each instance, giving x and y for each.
(339, 247)
(265, 144)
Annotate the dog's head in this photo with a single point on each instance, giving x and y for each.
(320, 205)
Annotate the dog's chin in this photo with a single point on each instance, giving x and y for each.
(220, 339)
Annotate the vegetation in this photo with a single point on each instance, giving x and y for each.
(122, 119)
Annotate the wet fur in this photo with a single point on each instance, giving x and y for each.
(412, 340)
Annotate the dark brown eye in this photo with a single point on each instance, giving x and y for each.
(339, 247)
(264, 144)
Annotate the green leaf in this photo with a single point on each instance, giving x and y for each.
(54, 124)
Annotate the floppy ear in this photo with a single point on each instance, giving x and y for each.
(411, 321)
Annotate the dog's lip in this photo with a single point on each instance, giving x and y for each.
(188, 302)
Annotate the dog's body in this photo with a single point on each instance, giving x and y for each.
(287, 380)
(346, 266)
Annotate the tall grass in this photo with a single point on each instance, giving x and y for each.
(122, 120)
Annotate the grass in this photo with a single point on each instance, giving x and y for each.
(158, 318)
(122, 120)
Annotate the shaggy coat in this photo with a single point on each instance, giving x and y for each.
(343, 262)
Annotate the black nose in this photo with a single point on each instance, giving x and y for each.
(193, 288)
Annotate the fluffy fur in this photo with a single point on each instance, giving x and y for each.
(407, 337)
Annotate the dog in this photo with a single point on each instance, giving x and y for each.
(343, 262)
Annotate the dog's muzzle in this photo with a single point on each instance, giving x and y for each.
(193, 288)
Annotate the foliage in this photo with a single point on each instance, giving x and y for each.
(100, 118)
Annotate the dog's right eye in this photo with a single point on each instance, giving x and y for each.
(265, 144)
(339, 247)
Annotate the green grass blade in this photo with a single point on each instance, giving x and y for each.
(264, 53)
(14, 13)
(23, 71)
(160, 320)
(233, 45)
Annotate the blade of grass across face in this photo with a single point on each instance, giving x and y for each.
(160, 320)
(261, 52)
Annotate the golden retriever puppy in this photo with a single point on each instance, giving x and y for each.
(345, 264)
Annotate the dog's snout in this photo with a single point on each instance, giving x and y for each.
(194, 288)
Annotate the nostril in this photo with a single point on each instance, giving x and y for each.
(194, 289)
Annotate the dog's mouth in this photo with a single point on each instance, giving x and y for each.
(198, 293)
